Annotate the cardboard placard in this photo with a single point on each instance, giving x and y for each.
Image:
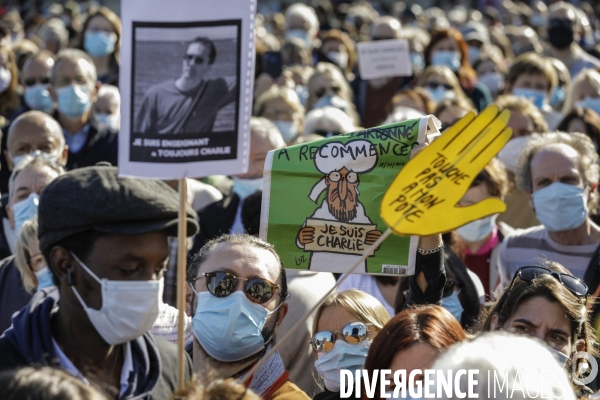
(384, 59)
(338, 237)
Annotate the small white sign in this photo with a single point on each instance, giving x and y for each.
(384, 59)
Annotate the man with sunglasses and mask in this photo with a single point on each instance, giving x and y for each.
(190, 103)
(35, 78)
(105, 240)
(240, 289)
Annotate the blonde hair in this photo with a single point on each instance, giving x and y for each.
(213, 387)
(27, 246)
(447, 73)
(364, 307)
(587, 77)
(281, 94)
(526, 107)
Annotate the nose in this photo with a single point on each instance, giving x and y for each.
(343, 188)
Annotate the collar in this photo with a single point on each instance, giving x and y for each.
(68, 366)
(269, 377)
(76, 141)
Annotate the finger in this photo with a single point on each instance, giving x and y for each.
(487, 153)
(470, 132)
(450, 134)
(489, 206)
(484, 141)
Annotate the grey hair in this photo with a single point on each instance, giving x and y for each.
(265, 128)
(580, 142)
(27, 162)
(303, 11)
(110, 91)
(74, 55)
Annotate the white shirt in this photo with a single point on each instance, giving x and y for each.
(70, 367)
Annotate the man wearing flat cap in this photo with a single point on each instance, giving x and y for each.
(105, 240)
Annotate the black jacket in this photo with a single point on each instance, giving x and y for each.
(29, 342)
(101, 145)
(216, 219)
(13, 295)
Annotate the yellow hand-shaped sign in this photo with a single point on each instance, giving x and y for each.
(422, 199)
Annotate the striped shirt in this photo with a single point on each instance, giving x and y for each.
(526, 246)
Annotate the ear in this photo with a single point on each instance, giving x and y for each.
(52, 92)
(9, 161)
(283, 310)
(580, 345)
(60, 261)
(62, 160)
(189, 301)
(494, 325)
(593, 192)
(530, 198)
(11, 215)
(94, 94)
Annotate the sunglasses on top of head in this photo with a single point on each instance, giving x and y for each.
(572, 284)
(222, 284)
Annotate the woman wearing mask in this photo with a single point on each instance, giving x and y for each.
(440, 83)
(102, 41)
(411, 340)
(29, 259)
(584, 121)
(584, 92)
(282, 106)
(559, 93)
(328, 87)
(478, 242)
(448, 48)
(549, 303)
(10, 98)
(491, 69)
(338, 48)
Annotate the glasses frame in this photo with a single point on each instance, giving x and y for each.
(319, 347)
(557, 275)
(236, 281)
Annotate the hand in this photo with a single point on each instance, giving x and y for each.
(306, 235)
(422, 198)
(372, 237)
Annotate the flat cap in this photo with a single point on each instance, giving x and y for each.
(97, 198)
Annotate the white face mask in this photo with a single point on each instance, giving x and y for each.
(5, 79)
(477, 230)
(340, 59)
(287, 129)
(246, 187)
(509, 155)
(108, 121)
(129, 308)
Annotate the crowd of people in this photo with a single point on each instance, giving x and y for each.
(88, 258)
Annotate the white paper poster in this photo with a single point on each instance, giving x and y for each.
(186, 78)
(384, 59)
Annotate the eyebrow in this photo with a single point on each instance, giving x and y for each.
(529, 323)
(225, 269)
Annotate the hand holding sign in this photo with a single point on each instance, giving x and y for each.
(422, 198)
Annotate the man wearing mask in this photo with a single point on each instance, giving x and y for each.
(107, 255)
(74, 88)
(301, 22)
(224, 216)
(559, 171)
(564, 28)
(29, 179)
(240, 290)
(35, 79)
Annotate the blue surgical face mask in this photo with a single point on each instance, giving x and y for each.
(343, 356)
(301, 34)
(288, 130)
(99, 43)
(230, 328)
(44, 278)
(331, 101)
(557, 97)
(560, 207)
(450, 59)
(25, 210)
(246, 187)
(302, 92)
(452, 304)
(73, 100)
(417, 61)
(438, 94)
(37, 97)
(537, 97)
(474, 54)
(592, 103)
(493, 80)
(477, 230)
(108, 121)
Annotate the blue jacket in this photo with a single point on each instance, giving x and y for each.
(29, 342)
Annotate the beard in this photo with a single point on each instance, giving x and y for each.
(341, 212)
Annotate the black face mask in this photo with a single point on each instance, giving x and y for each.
(560, 34)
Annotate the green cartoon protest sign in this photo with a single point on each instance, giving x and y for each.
(321, 199)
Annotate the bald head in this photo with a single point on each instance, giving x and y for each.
(35, 131)
(384, 28)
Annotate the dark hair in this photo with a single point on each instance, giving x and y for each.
(251, 213)
(590, 119)
(200, 257)
(425, 324)
(81, 244)
(114, 20)
(206, 42)
(44, 383)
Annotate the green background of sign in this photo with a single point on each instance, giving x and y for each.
(292, 182)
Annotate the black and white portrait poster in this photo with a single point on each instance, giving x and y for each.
(186, 82)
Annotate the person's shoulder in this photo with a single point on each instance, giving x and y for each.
(11, 358)
(161, 88)
(288, 390)
(327, 395)
(532, 232)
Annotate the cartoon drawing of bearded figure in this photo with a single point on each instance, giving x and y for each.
(340, 246)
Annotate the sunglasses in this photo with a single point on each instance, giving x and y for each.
(321, 91)
(449, 287)
(353, 333)
(435, 85)
(193, 59)
(325, 133)
(222, 284)
(574, 285)
(34, 81)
